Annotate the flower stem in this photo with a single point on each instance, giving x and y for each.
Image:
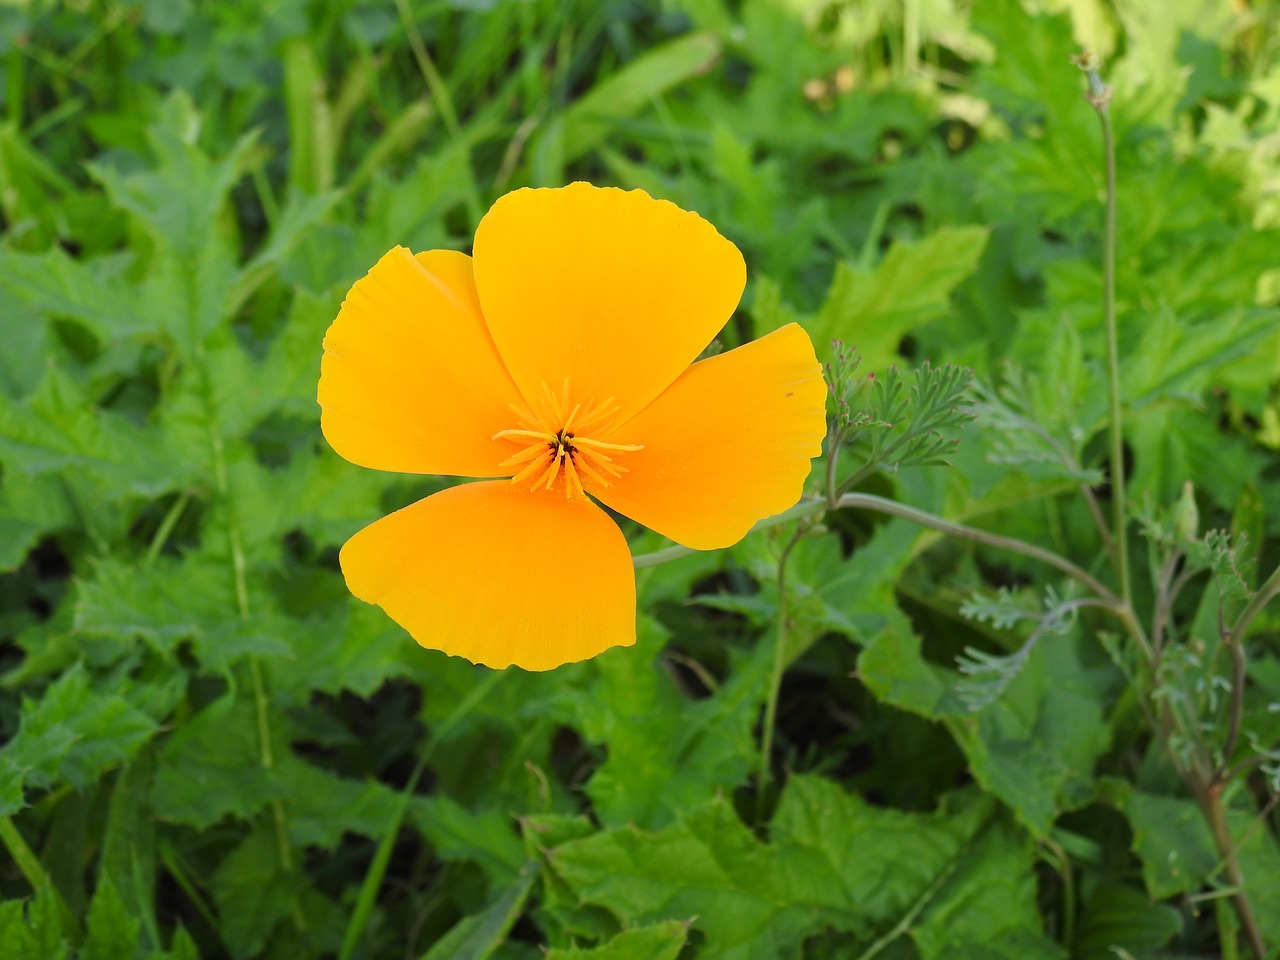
(239, 575)
(1099, 97)
(34, 872)
(775, 678)
(1210, 799)
(1265, 595)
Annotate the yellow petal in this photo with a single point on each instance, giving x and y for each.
(728, 444)
(612, 290)
(410, 380)
(499, 575)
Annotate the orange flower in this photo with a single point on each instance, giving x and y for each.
(560, 357)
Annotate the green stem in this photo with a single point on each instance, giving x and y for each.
(867, 501)
(775, 679)
(908, 918)
(165, 529)
(34, 871)
(377, 870)
(444, 103)
(1265, 595)
(1211, 804)
(1100, 97)
(239, 568)
(805, 508)
(23, 856)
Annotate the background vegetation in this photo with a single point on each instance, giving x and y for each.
(213, 751)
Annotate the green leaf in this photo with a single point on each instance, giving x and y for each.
(31, 507)
(665, 755)
(59, 430)
(178, 199)
(482, 835)
(32, 930)
(71, 733)
(1120, 916)
(590, 119)
(91, 292)
(252, 891)
(655, 941)
(211, 767)
(112, 931)
(835, 863)
(161, 604)
(129, 843)
(1034, 747)
(872, 310)
(1173, 842)
(476, 937)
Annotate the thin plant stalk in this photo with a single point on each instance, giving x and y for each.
(1099, 97)
(1215, 812)
(239, 572)
(775, 678)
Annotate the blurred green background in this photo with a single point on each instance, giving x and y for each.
(212, 750)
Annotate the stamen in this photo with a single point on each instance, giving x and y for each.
(551, 443)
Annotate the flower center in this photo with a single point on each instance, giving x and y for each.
(557, 439)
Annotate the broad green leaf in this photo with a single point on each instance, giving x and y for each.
(162, 604)
(484, 836)
(1173, 842)
(71, 733)
(835, 863)
(253, 892)
(32, 930)
(1034, 748)
(31, 507)
(93, 293)
(357, 649)
(179, 198)
(1120, 916)
(61, 431)
(128, 854)
(665, 754)
(655, 941)
(477, 936)
(211, 767)
(112, 930)
(872, 310)
(894, 669)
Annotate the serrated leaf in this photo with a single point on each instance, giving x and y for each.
(871, 310)
(1172, 841)
(161, 604)
(93, 293)
(1120, 916)
(835, 863)
(1034, 748)
(31, 507)
(481, 835)
(476, 937)
(252, 892)
(32, 930)
(71, 733)
(655, 941)
(59, 430)
(664, 755)
(111, 931)
(179, 198)
(212, 768)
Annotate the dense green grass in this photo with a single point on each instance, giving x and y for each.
(214, 751)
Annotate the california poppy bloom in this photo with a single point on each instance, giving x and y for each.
(558, 359)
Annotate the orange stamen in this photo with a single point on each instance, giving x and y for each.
(552, 444)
